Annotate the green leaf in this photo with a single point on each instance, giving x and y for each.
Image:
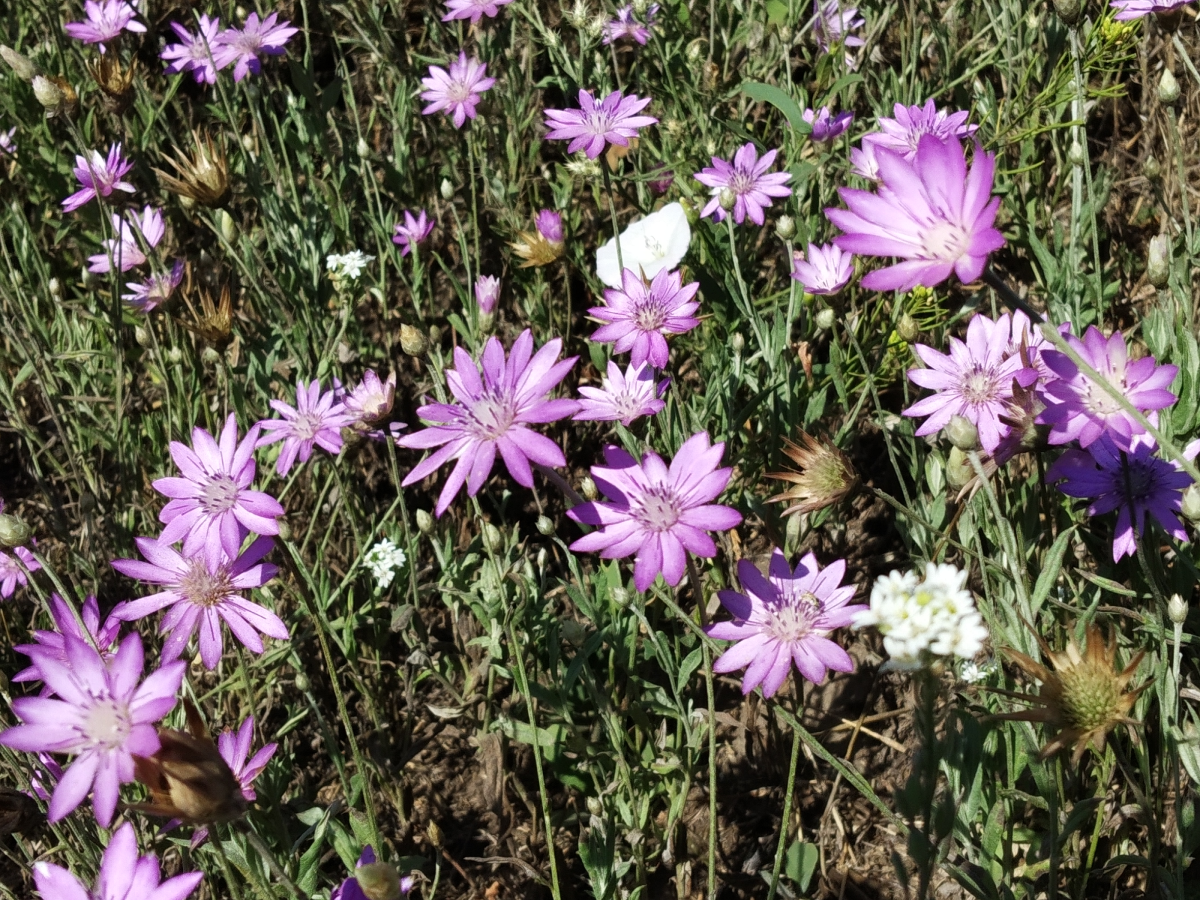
(800, 863)
(768, 93)
(547, 736)
(777, 13)
(1051, 566)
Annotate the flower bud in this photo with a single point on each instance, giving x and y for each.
(21, 64)
(302, 682)
(737, 343)
(1068, 11)
(210, 357)
(424, 521)
(595, 806)
(1152, 169)
(1077, 156)
(1191, 503)
(621, 597)
(962, 433)
(413, 342)
(226, 225)
(434, 834)
(174, 356)
(447, 189)
(908, 329)
(1177, 610)
(545, 526)
(285, 530)
(54, 286)
(959, 470)
(824, 319)
(1168, 88)
(89, 279)
(695, 53)
(142, 336)
(487, 293)
(587, 488)
(785, 228)
(55, 94)
(493, 538)
(362, 149)
(13, 532)
(1158, 262)
(726, 199)
(378, 881)
(596, 26)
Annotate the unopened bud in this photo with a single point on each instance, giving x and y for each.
(90, 279)
(378, 881)
(785, 228)
(1152, 169)
(908, 329)
(434, 834)
(413, 342)
(737, 343)
(424, 521)
(595, 806)
(824, 319)
(1158, 262)
(1068, 11)
(210, 357)
(21, 64)
(726, 199)
(142, 336)
(302, 682)
(55, 94)
(1077, 156)
(596, 26)
(962, 433)
(13, 532)
(174, 356)
(695, 53)
(1168, 88)
(1191, 503)
(620, 596)
(545, 526)
(447, 189)
(587, 488)
(959, 470)
(362, 149)
(1177, 610)
(285, 530)
(226, 225)
(54, 286)
(493, 538)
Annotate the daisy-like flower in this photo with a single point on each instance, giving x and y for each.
(123, 876)
(371, 872)
(473, 9)
(639, 316)
(648, 246)
(105, 21)
(317, 419)
(1133, 481)
(784, 617)
(101, 636)
(1136, 9)
(195, 52)
(133, 233)
(613, 120)
(826, 271)
(660, 513)
(412, 231)
(973, 381)
(212, 509)
(832, 22)
(903, 133)
(1077, 408)
(456, 92)
(930, 211)
(487, 293)
(371, 402)
(240, 47)
(15, 569)
(99, 177)
(825, 125)
(235, 750)
(384, 560)
(748, 180)
(156, 290)
(492, 415)
(626, 26)
(347, 266)
(104, 715)
(622, 397)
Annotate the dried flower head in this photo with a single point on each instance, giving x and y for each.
(115, 82)
(214, 323)
(826, 475)
(203, 176)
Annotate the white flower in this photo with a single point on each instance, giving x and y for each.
(384, 560)
(347, 265)
(648, 245)
(972, 672)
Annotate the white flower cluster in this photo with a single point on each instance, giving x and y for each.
(936, 616)
(347, 266)
(384, 560)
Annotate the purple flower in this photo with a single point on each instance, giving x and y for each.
(1136, 9)
(491, 416)
(242, 46)
(974, 381)
(863, 161)
(456, 92)
(1132, 481)
(194, 52)
(826, 271)
(832, 20)
(202, 595)
(639, 316)
(626, 25)
(371, 402)
(746, 177)
(234, 749)
(316, 419)
(212, 508)
(825, 126)
(154, 291)
(7, 146)
(102, 637)
(126, 248)
(350, 889)
(473, 9)
(590, 127)
(930, 211)
(1077, 408)
(99, 177)
(624, 397)
(413, 231)
(550, 226)
(105, 20)
(123, 876)
(659, 513)
(15, 569)
(785, 617)
(104, 715)
(903, 134)
(487, 293)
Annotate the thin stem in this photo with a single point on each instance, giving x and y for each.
(1009, 296)
(1181, 172)
(612, 211)
(694, 577)
(272, 863)
(781, 848)
(1080, 135)
(235, 887)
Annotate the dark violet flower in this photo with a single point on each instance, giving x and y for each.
(105, 20)
(212, 508)
(104, 715)
(903, 134)
(1078, 409)
(826, 271)
(473, 9)
(931, 212)
(639, 316)
(826, 126)
(195, 52)
(413, 231)
(1133, 481)
(491, 416)
(626, 26)
(589, 128)
(15, 569)
(487, 293)
(658, 512)
(785, 617)
(317, 419)
(99, 177)
(241, 47)
(133, 233)
(747, 178)
(832, 22)
(1136, 9)
(102, 637)
(456, 92)
(622, 397)
(154, 291)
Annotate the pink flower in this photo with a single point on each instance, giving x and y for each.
(747, 179)
(550, 226)
(903, 134)
(317, 419)
(473, 9)
(589, 128)
(639, 316)
(7, 146)
(863, 161)
(624, 397)
(491, 416)
(102, 637)
(831, 24)
(659, 513)
(133, 232)
(487, 293)
(826, 271)
(154, 291)
(783, 618)
(826, 126)
(194, 52)
(241, 47)
(234, 749)
(1136, 9)
(99, 177)
(105, 20)
(413, 231)
(104, 715)
(371, 402)
(456, 92)
(15, 569)
(626, 25)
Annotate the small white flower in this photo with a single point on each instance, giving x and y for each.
(384, 560)
(347, 265)
(648, 245)
(972, 672)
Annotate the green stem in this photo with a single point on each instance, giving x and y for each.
(1078, 132)
(710, 695)
(781, 848)
(612, 211)
(235, 886)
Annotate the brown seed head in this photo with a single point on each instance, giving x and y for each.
(115, 83)
(203, 176)
(535, 249)
(826, 475)
(214, 323)
(56, 95)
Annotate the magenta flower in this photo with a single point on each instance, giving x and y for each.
(133, 233)
(456, 92)
(659, 513)
(413, 231)
(831, 24)
(487, 293)
(234, 749)
(639, 316)
(826, 271)
(491, 416)
(589, 128)
(903, 134)
(241, 47)
(785, 617)
(7, 146)
(371, 402)
(123, 876)
(746, 177)
(101, 637)
(473, 9)
(826, 126)
(1132, 481)
(549, 225)
(15, 569)
(194, 52)
(99, 177)
(317, 419)
(622, 397)
(104, 716)
(212, 509)
(863, 161)
(1136, 9)
(626, 26)
(930, 211)
(1077, 408)
(154, 291)
(105, 20)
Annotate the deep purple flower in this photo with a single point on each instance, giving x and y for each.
(212, 508)
(491, 416)
(100, 636)
(104, 715)
(550, 226)
(785, 617)
(826, 271)
(903, 134)
(826, 126)
(15, 569)
(639, 316)
(132, 234)
(930, 211)
(413, 231)
(105, 20)
(99, 177)
(659, 513)
(456, 92)
(316, 419)
(831, 24)
(589, 128)
(473, 9)
(626, 25)
(1136, 9)
(350, 889)
(195, 52)
(622, 397)
(241, 47)
(747, 178)
(154, 291)
(487, 293)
